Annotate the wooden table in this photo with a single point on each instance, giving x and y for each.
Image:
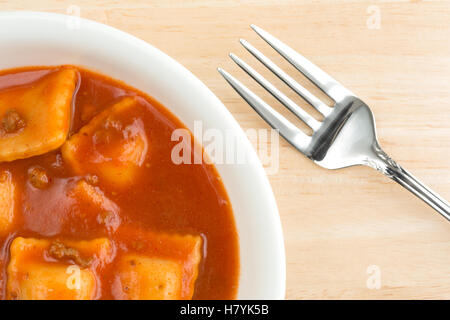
(342, 228)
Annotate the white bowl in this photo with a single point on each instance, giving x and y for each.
(31, 38)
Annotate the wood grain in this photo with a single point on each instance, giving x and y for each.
(336, 223)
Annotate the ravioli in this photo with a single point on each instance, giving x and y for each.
(108, 211)
(149, 278)
(89, 193)
(7, 202)
(113, 145)
(167, 272)
(57, 270)
(36, 119)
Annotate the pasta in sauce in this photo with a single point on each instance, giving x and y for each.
(91, 205)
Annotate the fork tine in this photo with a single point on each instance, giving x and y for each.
(302, 91)
(287, 129)
(321, 79)
(291, 105)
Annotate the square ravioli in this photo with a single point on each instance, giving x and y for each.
(145, 278)
(162, 267)
(89, 193)
(7, 202)
(36, 119)
(113, 145)
(41, 269)
(92, 196)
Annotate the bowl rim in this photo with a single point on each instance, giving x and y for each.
(277, 278)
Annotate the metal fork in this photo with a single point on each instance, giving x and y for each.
(345, 137)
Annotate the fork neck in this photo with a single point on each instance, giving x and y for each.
(380, 161)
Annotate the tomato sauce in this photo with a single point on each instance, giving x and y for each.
(163, 198)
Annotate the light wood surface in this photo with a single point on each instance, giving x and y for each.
(336, 223)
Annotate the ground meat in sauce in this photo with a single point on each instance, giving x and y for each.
(38, 177)
(92, 179)
(59, 250)
(106, 218)
(12, 122)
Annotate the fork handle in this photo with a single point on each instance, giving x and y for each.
(383, 163)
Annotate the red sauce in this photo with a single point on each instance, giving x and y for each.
(165, 197)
